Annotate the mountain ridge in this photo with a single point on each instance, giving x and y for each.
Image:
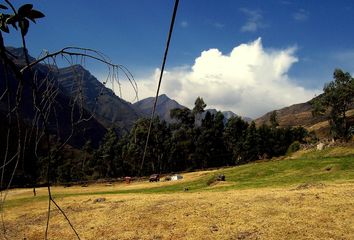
(300, 114)
(109, 109)
(163, 107)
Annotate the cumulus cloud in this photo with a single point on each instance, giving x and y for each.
(249, 81)
(254, 20)
(301, 15)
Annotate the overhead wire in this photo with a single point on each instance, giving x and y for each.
(160, 80)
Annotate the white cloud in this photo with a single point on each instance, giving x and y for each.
(218, 25)
(184, 24)
(250, 80)
(254, 20)
(301, 15)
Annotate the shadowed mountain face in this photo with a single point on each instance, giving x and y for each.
(107, 108)
(163, 107)
(63, 111)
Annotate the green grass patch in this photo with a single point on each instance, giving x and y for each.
(313, 167)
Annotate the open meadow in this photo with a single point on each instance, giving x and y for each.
(307, 196)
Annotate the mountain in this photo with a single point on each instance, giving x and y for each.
(294, 115)
(163, 107)
(109, 109)
(63, 111)
(301, 115)
(227, 115)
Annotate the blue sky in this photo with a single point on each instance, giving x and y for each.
(133, 33)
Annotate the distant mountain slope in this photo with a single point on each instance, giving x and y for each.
(301, 115)
(227, 115)
(163, 107)
(294, 115)
(166, 104)
(108, 109)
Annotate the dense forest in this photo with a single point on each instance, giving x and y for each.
(190, 143)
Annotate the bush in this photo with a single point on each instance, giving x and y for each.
(215, 178)
(211, 180)
(295, 146)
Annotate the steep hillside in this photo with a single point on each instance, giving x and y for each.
(294, 115)
(107, 108)
(301, 115)
(163, 107)
(59, 121)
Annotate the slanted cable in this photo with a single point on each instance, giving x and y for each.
(160, 79)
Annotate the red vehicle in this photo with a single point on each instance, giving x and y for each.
(154, 178)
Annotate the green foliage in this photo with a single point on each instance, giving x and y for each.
(158, 151)
(19, 18)
(104, 162)
(188, 145)
(212, 179)
(251, 149)
(273, 119)
(210, 150)
(294, 147)
(338, 96)
(199, 106)
(184, 116)
(234, 136)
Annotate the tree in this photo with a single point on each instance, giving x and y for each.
(103, 163)
(273, 119)
(199, 106)
(157, 152)
(234, 136)
(184, 116)
(251, 144)
(210, 148)
(338, 96)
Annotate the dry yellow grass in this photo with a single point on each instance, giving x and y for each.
(318, 126)
(309, 212)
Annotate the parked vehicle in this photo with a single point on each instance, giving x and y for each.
(154, 178)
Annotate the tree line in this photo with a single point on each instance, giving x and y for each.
(192, 142)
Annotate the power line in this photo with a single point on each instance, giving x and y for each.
(160, 79)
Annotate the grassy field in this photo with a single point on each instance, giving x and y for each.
(309, 195)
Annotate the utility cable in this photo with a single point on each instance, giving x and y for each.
(160, 80)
